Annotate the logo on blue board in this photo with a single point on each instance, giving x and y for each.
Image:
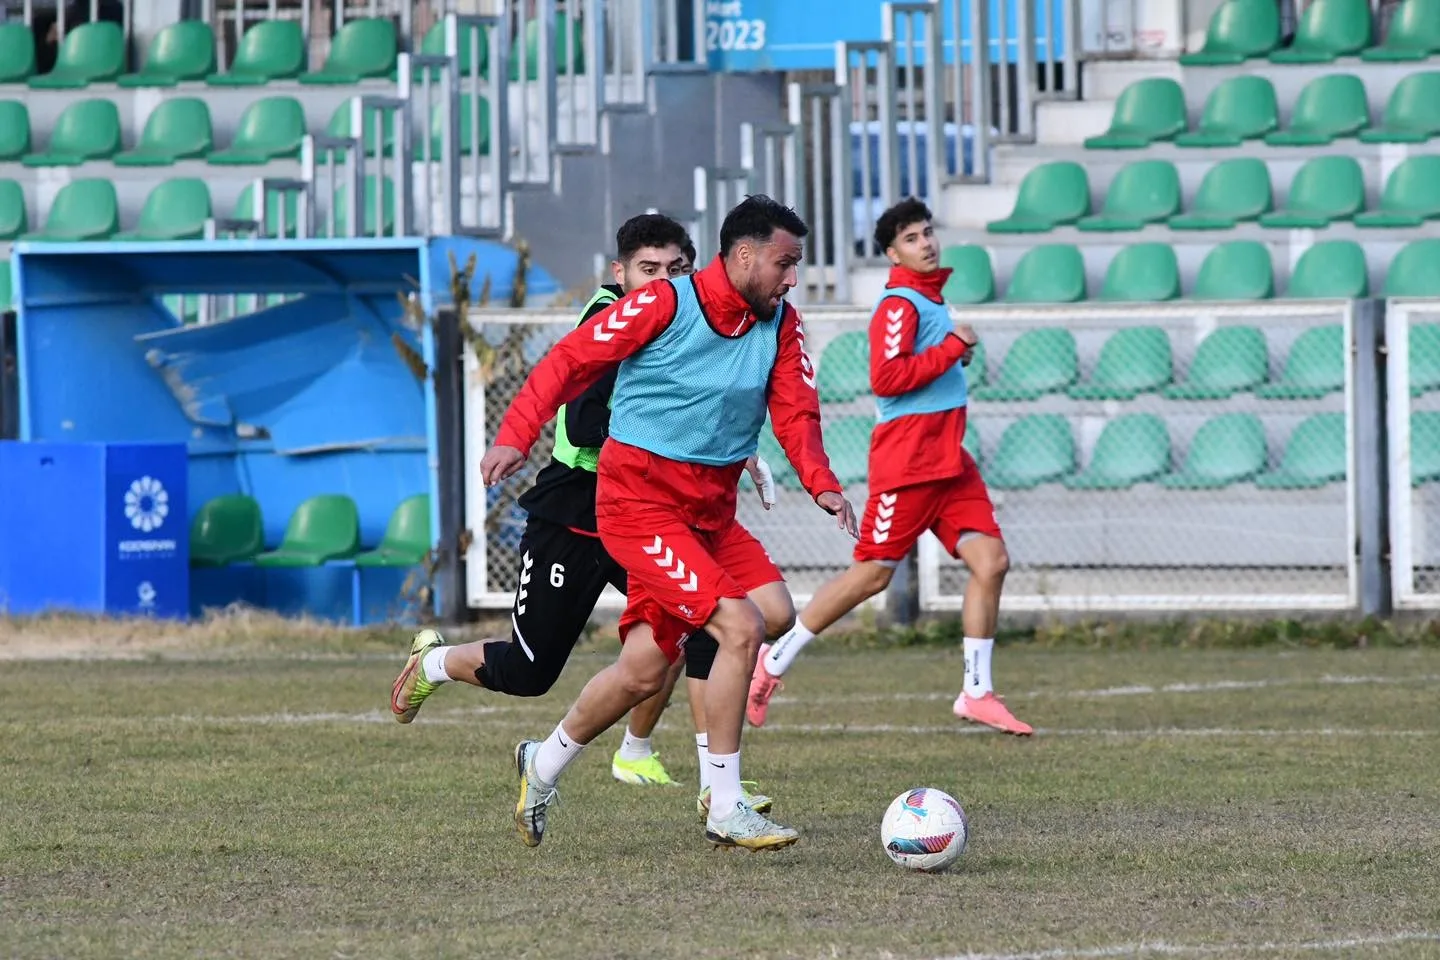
(147, 504)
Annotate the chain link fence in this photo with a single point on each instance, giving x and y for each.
(1412, 338)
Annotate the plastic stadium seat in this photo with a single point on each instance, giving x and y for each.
(1142, 273)
(1424, 447)
(6, 294)
(434, 46)
(407, 536)
(84, 209)
(1238, 270)
(1414, 33)
(321, 529)
(17, 53)
(1132, 449)
(1227, 449)
(467, 122)
(975, 370)
(1148, 111)
(385, 201)
(1412, 114)
(174, 210)
(85, 130)
(177, 129)
(1052, 194)
(1133, 361)
(845, 368)
(1038, 362)
(1412, 195)
(1231, 192)
(1239, 30)
(1146, 191)
(14, 130)
(1325, 190)
(1033, 450)
(1241, 108)
(269, 129)
(339, 126)
(1049, 273)
(1424, 358)
(226, 530)
(847, 441)
(270, 50)
(1328, 29)
(1330, 269)
(1230, 360)
(181, 52)
(1328, 108)
(1314, 455)
(245, 210)
(13, 217)
(90, 53)
(971, 279)
(361, 50)
(1415, 270)
(575, 46)
(1314, 368)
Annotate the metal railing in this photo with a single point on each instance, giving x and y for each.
(717, 190)
(916, 32)
(127, 17)
(823, 192)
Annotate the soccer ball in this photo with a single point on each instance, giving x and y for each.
(925, 829)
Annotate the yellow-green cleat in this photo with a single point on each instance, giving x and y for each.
(411, 688)
(755, 801)
(646, 772)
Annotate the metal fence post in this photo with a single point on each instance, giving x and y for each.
(1371, 456)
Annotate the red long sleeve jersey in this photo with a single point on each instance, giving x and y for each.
(629, 475)
(921, 447)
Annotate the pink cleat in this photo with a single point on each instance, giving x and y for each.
(988, 710)
(762, 687)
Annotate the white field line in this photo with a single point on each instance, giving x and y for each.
(1162, 949)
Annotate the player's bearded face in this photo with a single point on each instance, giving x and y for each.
(772, 272)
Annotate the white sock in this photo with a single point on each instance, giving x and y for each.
(977, 666)
(635, 748)
(724, 782)
(702, 747)
(555, 754)
(784, 651)
(433, 663)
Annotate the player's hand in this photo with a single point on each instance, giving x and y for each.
(840, 508)
(498, 463)
(967, 333)
(759, 471)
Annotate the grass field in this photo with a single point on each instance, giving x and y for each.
(1225, 803)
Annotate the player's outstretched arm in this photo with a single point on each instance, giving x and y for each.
(895, 367)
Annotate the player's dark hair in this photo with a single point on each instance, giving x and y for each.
(757, 218)
(647, 230)
(687, 249)
(893, 221)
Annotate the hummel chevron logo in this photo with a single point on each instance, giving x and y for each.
(892, 332)
(884, 517)
(807, 366)
(522, 593)
(605, 332)
(673, 566)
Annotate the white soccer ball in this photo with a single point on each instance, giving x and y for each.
(925, 829)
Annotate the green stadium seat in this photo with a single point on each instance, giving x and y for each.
(1328, 29)
(85, 130)
(1314, 368)
(1230, 360)
(177, 129)
(467, 122)
(1238, 270)
(339, 126)
(17, 53)
(245, 210)
(1325, 190)
(574, 44)
(1033, 450)
(1328, 108)
(1314, 456)
(270, 50)
(1412, 195)
(1142, 273)
(228, 529)
(362, 49)
(1424, 358)
(1147, 191)
(1052, 194)
(971, 279)
(1238, 31)
(1227, 449)
(90, 53)
(269, 129)
(976, 368)
(85, 209)
(1133, 448)
(1414, 33)
(182, 52)
(385, 202)
(1415, 270)
(1412, 114)
(6, 294)
(14, 220)
(1424, 447)
(847, 441)
(1049, 273)
(407, 536)
(773, 454)
(1038, 362)
(321, 529)
(845, 368)
(1148, 111)
(1231, 192)
(434, 46)
(1133, 361)
(1330, 269)
(1241, 108)
(14, 130)
(174, 210)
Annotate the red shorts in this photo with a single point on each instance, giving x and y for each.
(677, 575)
(895, 519)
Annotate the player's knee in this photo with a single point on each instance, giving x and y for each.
(874, 577)
(991, 564)
(739, 625)
(532, 683)
(779, 615)
(643, 679)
